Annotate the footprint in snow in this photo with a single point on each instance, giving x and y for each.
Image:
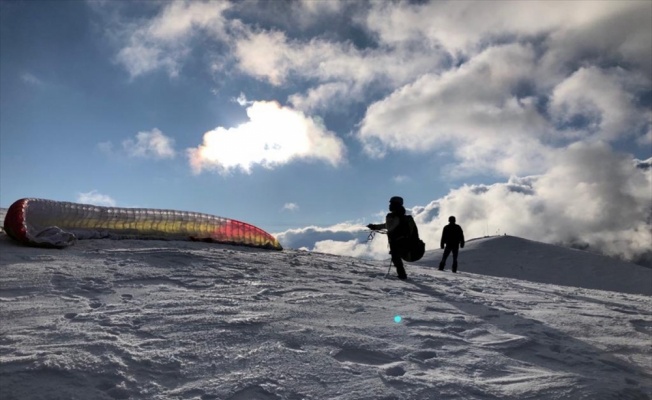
(424, 323)
(395, 370)
(642, 326)
(624, 310)
(253, 392)
(94, 303)
(362, 356)
(422, 355)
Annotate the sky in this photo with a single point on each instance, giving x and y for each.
(135, 319)
(305, 117)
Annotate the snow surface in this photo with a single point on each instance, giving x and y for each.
(183, 320)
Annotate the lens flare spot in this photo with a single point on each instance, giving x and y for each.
(397, 319)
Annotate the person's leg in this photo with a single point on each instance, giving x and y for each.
(455, 250)
(396, 249)
(398, 263)
(447, 251)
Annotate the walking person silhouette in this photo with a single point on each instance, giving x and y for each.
(452, 239)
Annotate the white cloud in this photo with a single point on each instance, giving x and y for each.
(264, 55)
(476, 109)
(179, 18)
(321, 97)
(141, 58)
(271, 56)
(318, 8)
(274, 135)
(602, 33)
(339, 72)
(31, 79)
(290, 206)
(96, 198)
(242, 100)
(105, 147)
(152, 144)
(463, 27)
(601, 100)
(163, 42)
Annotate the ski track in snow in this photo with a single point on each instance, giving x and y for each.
(180, 320)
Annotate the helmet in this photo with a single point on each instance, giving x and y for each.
(396, 199)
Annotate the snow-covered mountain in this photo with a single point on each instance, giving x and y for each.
(184, 320)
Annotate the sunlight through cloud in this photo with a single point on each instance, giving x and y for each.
(273, 136)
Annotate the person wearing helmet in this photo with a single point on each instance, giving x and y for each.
(452, 239)
(398, 230)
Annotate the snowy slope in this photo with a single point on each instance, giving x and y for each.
(182, 320)
(513, 257)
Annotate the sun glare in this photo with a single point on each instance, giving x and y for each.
(274, 135)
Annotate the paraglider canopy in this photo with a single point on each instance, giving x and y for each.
(51, 223)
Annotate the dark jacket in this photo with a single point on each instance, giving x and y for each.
(452, 236)
(397, 232)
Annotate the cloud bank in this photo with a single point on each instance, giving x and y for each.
(594, 199)
(500, 92)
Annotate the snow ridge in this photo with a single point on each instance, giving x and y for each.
(514, 257)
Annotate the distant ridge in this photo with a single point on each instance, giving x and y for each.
(514, 257)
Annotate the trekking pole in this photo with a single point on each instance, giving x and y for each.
(389, 268)
(371, 237)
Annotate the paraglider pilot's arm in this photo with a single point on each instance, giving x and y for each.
(376, 227)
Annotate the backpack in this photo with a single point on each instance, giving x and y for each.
(413, 246)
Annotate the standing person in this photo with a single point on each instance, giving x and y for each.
(398, 230)
(452, 239)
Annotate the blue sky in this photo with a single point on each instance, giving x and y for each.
(305, 117)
